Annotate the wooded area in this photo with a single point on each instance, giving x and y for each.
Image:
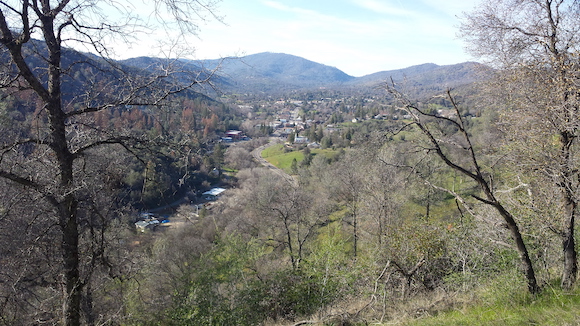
(383, 218)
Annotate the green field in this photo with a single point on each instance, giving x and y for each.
(277, 156)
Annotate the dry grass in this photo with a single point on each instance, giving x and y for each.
(498, 304)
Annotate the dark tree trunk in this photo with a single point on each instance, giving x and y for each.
(88, 306)
(527, 267)
(68, 204)
(570, 262)
(570, 268)
(568, 246)
(70, 253)
(355, 234)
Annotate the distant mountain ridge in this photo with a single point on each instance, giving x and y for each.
(448, 73)
(428, 79)
(274, 71)
(279, 72)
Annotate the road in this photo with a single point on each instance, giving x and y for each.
(257, 153)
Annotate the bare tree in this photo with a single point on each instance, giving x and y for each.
(460, 155)
(238, 158)
(384, 190)
(349, 190)
(49, 156)
(535, 45)
(284, 216)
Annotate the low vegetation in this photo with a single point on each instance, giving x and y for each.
(457, 209)
(503, 302)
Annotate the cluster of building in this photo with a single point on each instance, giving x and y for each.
(150, 221)
(289, 122)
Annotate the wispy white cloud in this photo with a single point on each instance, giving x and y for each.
(356, 36)
(384, 7)
(452, 8)
(280, 6)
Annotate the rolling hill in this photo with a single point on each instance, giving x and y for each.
(427, 79)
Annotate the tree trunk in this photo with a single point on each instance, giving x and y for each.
(355, 234)
(68, 206)
(527, 266)
(570, 256)
(570, 204)
(70, 252)
(570, 262)
(88, 308)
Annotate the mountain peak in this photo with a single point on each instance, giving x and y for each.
(268, 70)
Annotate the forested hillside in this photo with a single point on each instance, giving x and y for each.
(273, 190)
(278, 74)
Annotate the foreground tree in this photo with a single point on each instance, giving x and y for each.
(49, 152)
(535, 45)
(459, 154)
(288, 216)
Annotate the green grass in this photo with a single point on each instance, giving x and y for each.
(277, 156)
(273, 150)
(284, 161)
(508, 303)
(329, 153)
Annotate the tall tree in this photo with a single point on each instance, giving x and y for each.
(535, 45)
(49, 155)
(349, 190)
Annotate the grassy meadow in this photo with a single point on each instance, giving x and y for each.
(282, 159)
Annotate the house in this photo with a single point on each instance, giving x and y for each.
(235, 134)
(147, 216)
(146, 225)
(447, 113)
(213, 193)
(276, 124)
(301, 140)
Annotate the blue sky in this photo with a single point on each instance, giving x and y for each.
(357, 36)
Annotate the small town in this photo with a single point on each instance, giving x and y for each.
(289, 163)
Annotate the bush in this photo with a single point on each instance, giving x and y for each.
(222, 287)
(286, 295)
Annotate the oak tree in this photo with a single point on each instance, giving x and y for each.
(534, 45)
(460, 154)
(51, 154)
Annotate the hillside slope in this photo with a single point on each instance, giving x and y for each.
(427, 79)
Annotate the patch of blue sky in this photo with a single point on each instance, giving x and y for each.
(357, 36)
